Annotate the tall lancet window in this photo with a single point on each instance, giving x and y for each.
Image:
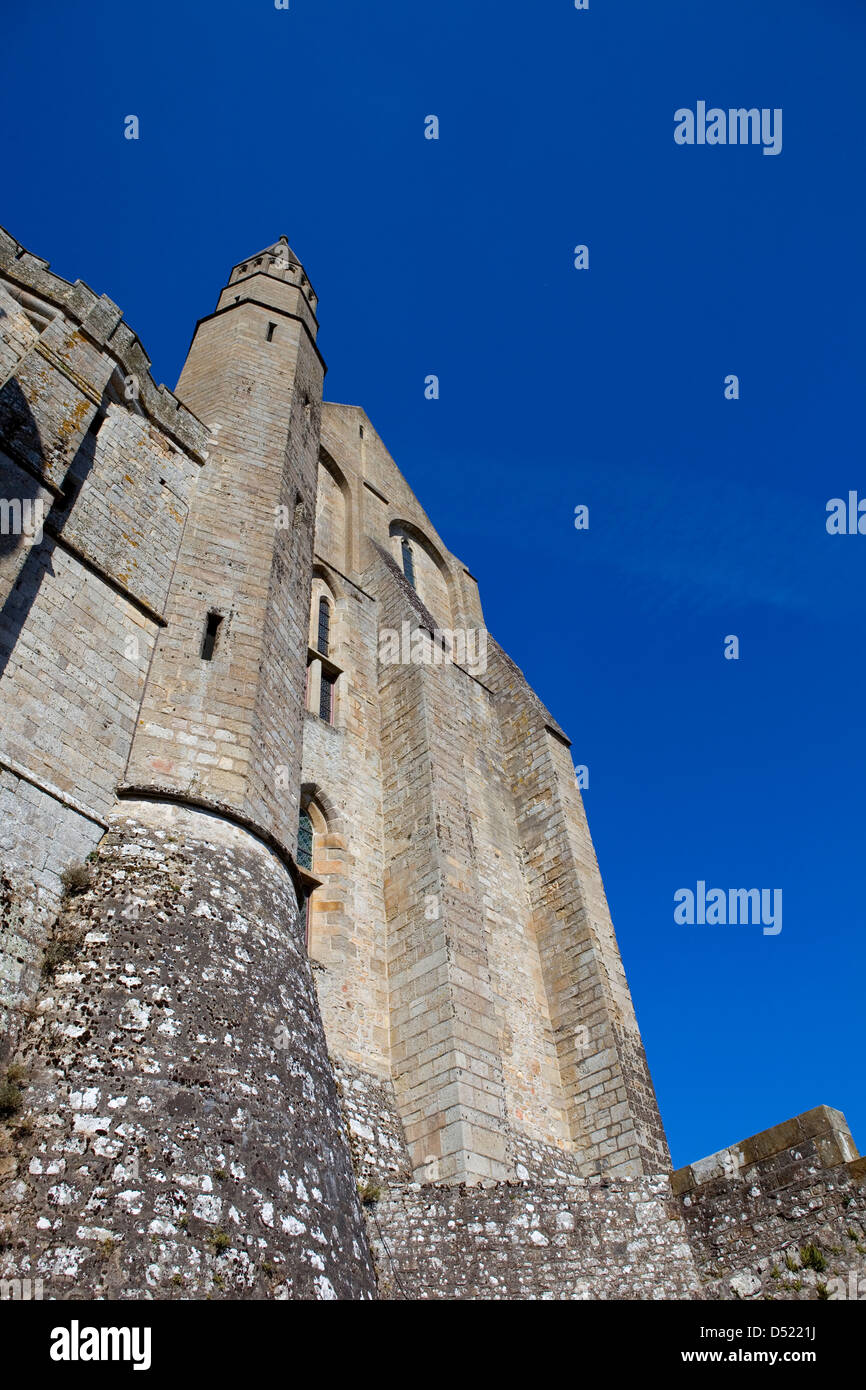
(305, 841)
(326, 697)
(305, 861)
(324, 634)
(408, 562)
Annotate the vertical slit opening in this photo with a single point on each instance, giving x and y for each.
(209, 640)
(326, 697)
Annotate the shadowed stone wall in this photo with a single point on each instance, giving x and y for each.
(111, 459)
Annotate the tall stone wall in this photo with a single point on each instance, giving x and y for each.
(111, 459)
(446, 1055)
(596, 1238)
(614, 1120)
(535, 1099)
(342, 773)
(510, 1018)
(173, 1125)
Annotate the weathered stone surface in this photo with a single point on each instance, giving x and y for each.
(752, 1210)
(585, 1239)
(180, 1134)
(504, 1016)
(193, 651)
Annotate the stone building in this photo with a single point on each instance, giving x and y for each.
(308, 983)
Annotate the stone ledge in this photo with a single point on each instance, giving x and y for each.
(825, 1127)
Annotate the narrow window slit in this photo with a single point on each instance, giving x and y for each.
(324, 632)
(408, 562)
(326, 697)
(272, 328)
(211, 632)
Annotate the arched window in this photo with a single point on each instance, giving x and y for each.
(408, 562)
(323, 860)
(305, 841)
(324, 633)
(305, 861)
(322, 672)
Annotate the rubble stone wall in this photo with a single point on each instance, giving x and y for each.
(179, 1133)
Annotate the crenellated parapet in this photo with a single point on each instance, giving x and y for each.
(98, 466)
(45, 296)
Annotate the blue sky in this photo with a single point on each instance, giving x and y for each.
(559, 387)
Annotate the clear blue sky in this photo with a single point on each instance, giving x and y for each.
(559, 387)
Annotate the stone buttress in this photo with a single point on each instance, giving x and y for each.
(480, 931)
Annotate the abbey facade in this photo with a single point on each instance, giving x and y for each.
(308, 982)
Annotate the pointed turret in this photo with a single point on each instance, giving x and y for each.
(274, 277)
(235, 649)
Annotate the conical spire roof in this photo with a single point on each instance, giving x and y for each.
(279, 262)
(279, 250)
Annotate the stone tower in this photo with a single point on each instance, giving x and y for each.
(187, 1138)
(232, 742)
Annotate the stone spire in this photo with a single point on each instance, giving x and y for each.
(277, 262)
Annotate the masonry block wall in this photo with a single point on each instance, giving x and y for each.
(180, 1134)
(793, 1230)
(613, 1115)
(505, 1019)
(342, 786)
(232, 738)
(226, 619)
(445, 1031)
(573, 1239)
(779, 1216)
(112, 459)
(782, 1214)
